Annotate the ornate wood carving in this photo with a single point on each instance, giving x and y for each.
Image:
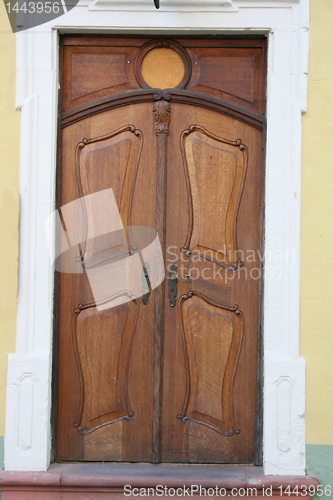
(112, 329)
(104, 387)
(127, 142)
(179, 96)
(218, 166)
(217, 330)
(195, 359)
(162, 116)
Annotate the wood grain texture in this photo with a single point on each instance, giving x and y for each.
(186, 162)
(154, 64)
(113, 166)
(212, 336)
(215, 170)
(107, 73)
(120, 153)
(140, 96)
(228, 74)
(222, 286)
(154, 57)
(219, 70)
(104, 397)
(205, 443)
(161, 130)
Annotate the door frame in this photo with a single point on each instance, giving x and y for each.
(28, 424)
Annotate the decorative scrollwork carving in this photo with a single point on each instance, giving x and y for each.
(92, 418)
(190, 412)
(162, 116)
(228, 261)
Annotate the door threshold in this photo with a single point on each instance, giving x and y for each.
(100, 480)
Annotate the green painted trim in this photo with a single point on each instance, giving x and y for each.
(319, 463)
(2, 451)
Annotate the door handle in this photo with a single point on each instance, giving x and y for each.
(173, 280)
(146, 287)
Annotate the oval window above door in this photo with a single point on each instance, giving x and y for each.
(162, 68)
(162, 64)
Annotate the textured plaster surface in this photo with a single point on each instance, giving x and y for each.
(317, 230)
(9, 202)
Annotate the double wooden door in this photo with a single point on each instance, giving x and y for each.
(160, 370)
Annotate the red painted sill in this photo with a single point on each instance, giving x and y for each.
(102, 480)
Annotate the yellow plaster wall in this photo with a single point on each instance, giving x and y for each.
(9, 202)
(317, 229)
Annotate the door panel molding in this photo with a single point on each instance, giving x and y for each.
(220, 390)
(100, 383)
(237, 153)
(127, 161)
(193, 172)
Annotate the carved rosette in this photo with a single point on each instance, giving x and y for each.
(162, 116)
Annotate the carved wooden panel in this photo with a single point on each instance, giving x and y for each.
(96, 73)
(108, 72)
(215, 170)
(104, 392)
(212, 336)
(232, 69)
(186, 163)
(104, 68)
(110, 161)
(229, 75)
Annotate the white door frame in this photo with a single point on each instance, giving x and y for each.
(286, 23)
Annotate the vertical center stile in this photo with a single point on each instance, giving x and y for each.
(162, 117)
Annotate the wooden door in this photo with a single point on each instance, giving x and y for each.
(167, 373)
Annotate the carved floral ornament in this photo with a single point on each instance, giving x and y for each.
(162, 116)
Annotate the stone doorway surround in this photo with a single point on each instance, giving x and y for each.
(286, 23)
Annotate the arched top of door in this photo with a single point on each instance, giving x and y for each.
(219, 74)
